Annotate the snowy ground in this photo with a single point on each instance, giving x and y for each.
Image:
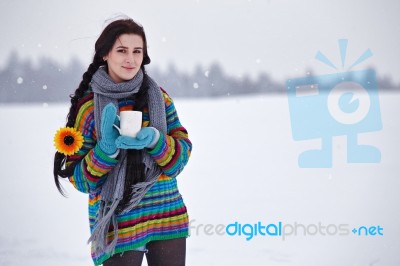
(243, 168)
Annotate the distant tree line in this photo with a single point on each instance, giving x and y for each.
(48, 81)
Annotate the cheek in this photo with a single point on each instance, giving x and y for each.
(139, 58)
(117, 60)
(114, 62)
(110, 65)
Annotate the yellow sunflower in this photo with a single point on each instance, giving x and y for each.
(68, 141)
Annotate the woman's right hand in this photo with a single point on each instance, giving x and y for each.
(108, 132)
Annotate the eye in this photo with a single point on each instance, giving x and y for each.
(121, 51)
(137, 51)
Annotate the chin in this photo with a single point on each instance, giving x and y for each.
(130, 77)
(127, 77)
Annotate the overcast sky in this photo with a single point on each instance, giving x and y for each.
(244, 36)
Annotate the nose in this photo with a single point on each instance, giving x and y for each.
(129, 58)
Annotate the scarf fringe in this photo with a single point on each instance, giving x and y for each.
(99, 234)
(138, 190)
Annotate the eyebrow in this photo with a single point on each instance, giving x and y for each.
(124, 47)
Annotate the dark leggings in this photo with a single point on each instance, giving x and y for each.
(160, 253)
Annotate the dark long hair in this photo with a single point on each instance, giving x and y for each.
(103, 46)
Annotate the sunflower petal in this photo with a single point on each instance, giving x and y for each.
(68, 140)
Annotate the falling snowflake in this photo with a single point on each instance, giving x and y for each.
(195, 85)
(206, 73)
(44, 87)
(258, 60)
(20, 80)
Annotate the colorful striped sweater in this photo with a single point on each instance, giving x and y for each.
(161, 214)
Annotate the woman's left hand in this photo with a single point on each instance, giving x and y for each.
(147, 137)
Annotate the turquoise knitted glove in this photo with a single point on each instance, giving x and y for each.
(147, 137)
(108, 133)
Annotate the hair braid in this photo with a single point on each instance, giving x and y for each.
(59, 158)
(80, 91)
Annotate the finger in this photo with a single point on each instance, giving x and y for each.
(120, 144)
(125, 142)
(109, 114)
(143, 133)
(111, 109)
(117, 121)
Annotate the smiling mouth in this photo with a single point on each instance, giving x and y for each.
(129, 68)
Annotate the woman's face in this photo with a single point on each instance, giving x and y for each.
(125, 58)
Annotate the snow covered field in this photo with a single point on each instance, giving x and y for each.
(243, 169)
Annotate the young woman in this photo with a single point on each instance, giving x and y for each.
(135, 207)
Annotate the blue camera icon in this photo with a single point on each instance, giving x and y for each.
(330, 105)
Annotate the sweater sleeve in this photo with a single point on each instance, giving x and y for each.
(91, 164)
(173, 149)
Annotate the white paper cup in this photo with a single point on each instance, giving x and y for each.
(130, 123)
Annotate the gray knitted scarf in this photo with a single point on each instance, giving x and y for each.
(106, 91)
